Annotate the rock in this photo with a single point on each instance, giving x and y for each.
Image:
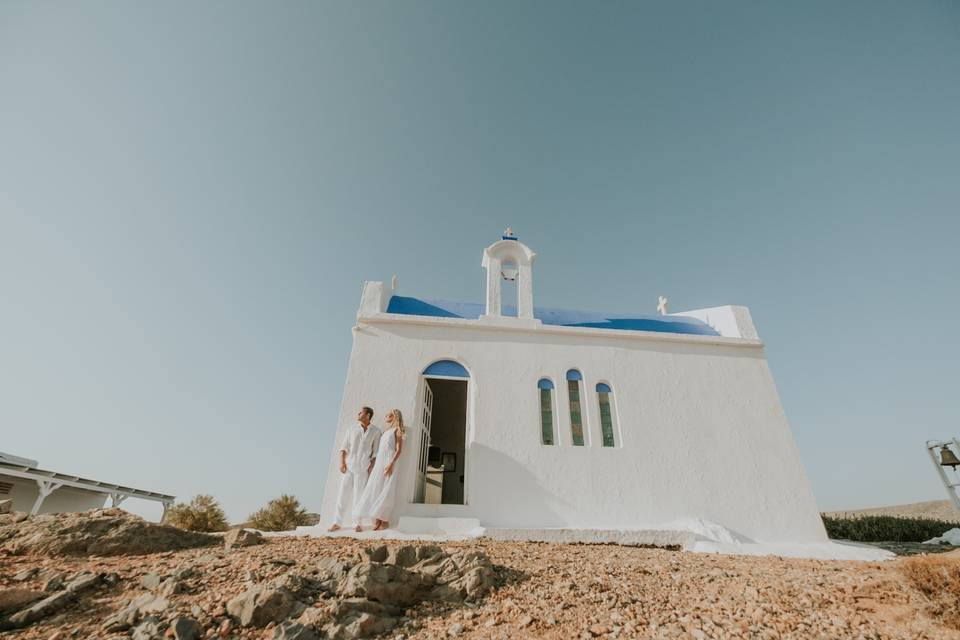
(185, 629)
(12, 518)
(259, 606)
(83, 581)
(145, 604)
(294, 631)
(465, 575)
(403, 556)
(455, 630)
(242, 538)
(360, 618)
(101, 532)
(42, 609)
(185, 573)
(385, 583)
(150, 581)
(54, 583)
(374, 554)
(315, 617)
(13, 599)
(6, 506)
(428, 551)
(169, 587)
(149, 629)
(300, 586)
(26, 574)
(330, 572)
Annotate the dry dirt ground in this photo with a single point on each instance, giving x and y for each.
(541, 590)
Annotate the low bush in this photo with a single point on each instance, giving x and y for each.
(282, 514)
(885, 528)
(202, 514)
(938, 579)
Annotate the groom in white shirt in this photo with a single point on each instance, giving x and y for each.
(357, 454)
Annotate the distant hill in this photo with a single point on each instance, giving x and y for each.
(936, 509)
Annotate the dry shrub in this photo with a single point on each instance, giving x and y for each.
(281, 514)
(938, 579)
(202, 514)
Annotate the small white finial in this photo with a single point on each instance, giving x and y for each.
(508, 234)
(662, 306)
(393, 282)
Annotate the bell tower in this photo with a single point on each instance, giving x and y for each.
(508, 259)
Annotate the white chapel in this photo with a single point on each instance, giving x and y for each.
(529, 419)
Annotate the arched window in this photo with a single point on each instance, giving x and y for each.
(546, 411)
(576, 415)
(605, 398)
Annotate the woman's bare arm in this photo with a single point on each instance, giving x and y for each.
(389, 468)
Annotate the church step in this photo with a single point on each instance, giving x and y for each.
(414, 524)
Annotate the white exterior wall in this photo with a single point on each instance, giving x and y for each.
(700, 429)
(64, 500)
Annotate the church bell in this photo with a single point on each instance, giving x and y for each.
(948, 458)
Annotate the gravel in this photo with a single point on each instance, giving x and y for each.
(541, 590)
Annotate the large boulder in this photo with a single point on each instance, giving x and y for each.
(13, 599)
(294, 631)
(260, 605)
(145, 604)
(102, 532)
(386, 583)
(360, 618)
(242, 538)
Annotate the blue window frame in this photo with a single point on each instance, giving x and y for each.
(545, 388)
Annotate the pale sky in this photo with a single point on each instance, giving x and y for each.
(191, 195)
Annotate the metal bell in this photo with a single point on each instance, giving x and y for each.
(948, 458)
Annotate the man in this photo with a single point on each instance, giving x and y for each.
(358, 451)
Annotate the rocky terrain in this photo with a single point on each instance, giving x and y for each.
(301, 588)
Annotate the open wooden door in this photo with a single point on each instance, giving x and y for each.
(426, 417)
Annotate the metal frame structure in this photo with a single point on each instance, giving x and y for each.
(950, 485)
(50, 481)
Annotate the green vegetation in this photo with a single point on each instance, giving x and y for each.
(202, 514)
(885, 528)
(281, 514)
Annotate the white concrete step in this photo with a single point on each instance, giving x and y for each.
(447, 526)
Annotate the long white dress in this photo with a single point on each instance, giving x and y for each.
(377, 500)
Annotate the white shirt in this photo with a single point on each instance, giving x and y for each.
(361, 447)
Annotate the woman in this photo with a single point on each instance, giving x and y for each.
(376, 502)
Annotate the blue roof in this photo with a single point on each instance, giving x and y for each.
(407, 306)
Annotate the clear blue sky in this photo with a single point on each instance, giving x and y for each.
(191, 195)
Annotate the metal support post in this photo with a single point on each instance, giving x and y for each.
(46, 487)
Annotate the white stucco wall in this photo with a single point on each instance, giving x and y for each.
(65, 499)
(701, 432)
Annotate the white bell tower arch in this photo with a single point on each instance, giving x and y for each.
(509, 259)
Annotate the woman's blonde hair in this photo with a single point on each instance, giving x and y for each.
(398, 422)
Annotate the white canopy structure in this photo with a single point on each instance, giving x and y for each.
(32, 489)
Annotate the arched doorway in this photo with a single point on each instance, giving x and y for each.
(442, 423)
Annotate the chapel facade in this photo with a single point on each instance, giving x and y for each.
(527, 418)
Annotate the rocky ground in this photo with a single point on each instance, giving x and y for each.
(301, 588)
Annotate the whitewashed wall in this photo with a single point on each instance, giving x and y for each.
(64, 500)
(701, 429)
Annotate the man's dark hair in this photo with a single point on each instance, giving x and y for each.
(368, 411)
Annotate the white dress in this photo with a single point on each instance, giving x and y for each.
(376, 503)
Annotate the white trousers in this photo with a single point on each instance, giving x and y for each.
(351, 488)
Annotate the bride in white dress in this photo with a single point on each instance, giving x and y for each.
(376, 502)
